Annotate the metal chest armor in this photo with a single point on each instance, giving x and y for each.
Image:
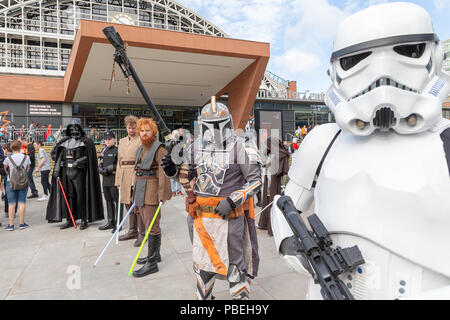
(211, 166)
(75, 149)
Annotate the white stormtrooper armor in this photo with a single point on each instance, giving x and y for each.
(380, 178)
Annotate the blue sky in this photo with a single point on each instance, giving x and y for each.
(300, 32)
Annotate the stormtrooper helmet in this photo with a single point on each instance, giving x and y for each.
(386, 71)
(216, 124)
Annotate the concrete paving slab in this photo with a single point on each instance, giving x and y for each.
(9, 277)
(180, 287)
(289, 286)
(48, 294)
(44, 262)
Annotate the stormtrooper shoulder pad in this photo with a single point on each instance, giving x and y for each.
(311, 154)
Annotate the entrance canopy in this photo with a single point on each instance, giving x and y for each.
(177, 69)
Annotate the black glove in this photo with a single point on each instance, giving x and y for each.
(109, 169)
(170, 169)
(225, 207)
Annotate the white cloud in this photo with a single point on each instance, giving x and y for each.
(300, 32)
(296, 60)
(441, 5)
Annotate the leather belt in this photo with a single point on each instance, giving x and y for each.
(127, 163)
(71, 165)
(205, 210)
(149, 173)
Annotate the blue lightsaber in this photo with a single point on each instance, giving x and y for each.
(117, 230)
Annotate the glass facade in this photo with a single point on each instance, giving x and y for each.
(102, 116)
(446, 48)
(38, 34)
(305, 113)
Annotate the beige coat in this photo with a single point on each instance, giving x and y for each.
(125, 172)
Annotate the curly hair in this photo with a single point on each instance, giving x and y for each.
(144, 122)
(130, 120)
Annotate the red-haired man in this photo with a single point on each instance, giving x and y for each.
(151, 186)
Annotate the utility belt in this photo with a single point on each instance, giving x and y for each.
(207, 206)
(72, 165)
(127, 163)
(141, 174)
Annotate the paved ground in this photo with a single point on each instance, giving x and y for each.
(43, 262)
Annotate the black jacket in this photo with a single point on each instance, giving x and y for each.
(108, 165)
(31, 151)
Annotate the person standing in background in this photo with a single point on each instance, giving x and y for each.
(28, 149)
(107, 168)
(124, 179)
(44, 168)
(49, 132)
(59, 133)
(278, 166)
(16, 195)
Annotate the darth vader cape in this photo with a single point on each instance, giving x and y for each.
(57, 208)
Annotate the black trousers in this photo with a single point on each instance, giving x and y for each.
(31, 181)
(76, 192)
(111, 194)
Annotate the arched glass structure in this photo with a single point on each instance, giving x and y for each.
(36, 37)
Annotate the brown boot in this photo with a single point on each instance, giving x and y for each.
(141, 231)
(133, 231)
(138, 241)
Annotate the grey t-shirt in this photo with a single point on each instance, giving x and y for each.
(43, 155)
(17, 158)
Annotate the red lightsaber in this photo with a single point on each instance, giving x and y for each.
(67, 202)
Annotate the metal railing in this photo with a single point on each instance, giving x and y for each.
(49, 137)
(278, 79)
(269, 94)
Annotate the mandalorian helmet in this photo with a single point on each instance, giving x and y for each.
(216, 124)
(386, 71)
(74, 128)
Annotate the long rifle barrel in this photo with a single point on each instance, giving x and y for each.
(127, 68)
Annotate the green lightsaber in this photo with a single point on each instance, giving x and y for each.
(145, 239)
(118, 217)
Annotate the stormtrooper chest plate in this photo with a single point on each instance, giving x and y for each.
(392, 189)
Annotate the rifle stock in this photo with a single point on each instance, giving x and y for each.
(322, 258)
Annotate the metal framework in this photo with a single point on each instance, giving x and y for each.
(36, 36)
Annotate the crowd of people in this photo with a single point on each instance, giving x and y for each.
(136, 173)
(34, 132)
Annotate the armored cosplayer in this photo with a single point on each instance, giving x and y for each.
(225, 171)
(75, 191)
(379, 177)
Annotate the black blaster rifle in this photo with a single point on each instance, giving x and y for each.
(121, 58)
(326, 262)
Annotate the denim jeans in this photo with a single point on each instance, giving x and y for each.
(44, 181)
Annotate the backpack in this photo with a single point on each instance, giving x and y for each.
(19, 179)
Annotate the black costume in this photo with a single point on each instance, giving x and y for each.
(107, 169)
(76, 167)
